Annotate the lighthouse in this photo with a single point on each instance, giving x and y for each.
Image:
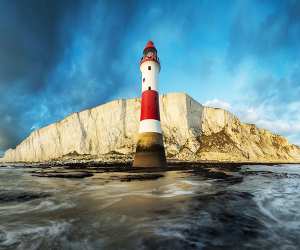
(150, 151)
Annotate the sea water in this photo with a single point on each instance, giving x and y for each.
(181, 210)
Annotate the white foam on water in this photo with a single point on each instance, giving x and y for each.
(169, 233)
(174, 193)
(276, 194)
(49, 205)
(34, 232)
(110, 203)
(26, 207)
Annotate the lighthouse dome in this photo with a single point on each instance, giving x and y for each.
(149, 44)
(149, 53)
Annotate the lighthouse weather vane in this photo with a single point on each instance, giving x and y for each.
(150, 150)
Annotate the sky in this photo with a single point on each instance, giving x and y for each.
(63, 56)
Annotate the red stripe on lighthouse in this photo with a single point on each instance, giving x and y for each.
(150, 105)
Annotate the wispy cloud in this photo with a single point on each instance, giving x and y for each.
(216, 103)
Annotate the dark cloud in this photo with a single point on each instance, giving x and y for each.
(31, 41)
(29, 48)
(94, 68)
(38, 51)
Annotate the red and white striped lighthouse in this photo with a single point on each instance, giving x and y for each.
(150, 150)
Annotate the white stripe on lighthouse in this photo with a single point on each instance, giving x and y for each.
(150, 125)
(150, 71)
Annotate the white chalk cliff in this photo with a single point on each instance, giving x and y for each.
(191, 132)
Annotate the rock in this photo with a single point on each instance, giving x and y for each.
(217, 173)
(20, 196)
(57, 174)
(137, 177)
(192, 132)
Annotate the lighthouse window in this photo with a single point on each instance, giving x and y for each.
(143, 79)
(149, 67)
(149, 88)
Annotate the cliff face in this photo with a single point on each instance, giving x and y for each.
(191, 132)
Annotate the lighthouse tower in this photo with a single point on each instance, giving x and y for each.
(150, 150)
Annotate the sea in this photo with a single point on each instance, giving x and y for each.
(255, 207)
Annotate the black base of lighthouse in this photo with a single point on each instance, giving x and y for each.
(150, 151)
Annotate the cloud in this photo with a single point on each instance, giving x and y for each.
(29, 40)
(216, 103)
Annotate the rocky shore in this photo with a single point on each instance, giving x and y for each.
(123, 163)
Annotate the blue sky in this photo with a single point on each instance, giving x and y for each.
(58, 57)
